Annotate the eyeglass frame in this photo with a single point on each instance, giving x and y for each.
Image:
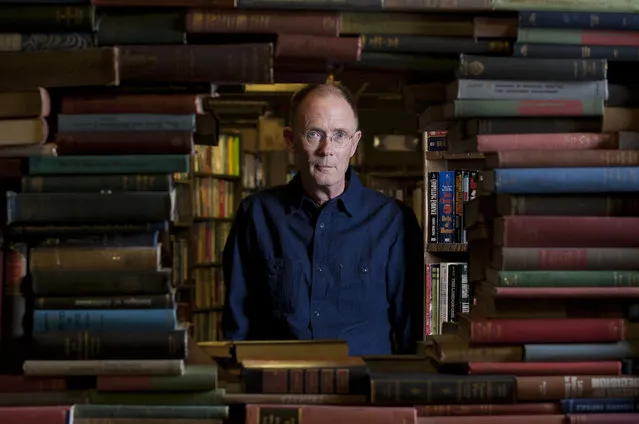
(324, 136)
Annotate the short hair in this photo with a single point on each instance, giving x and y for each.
(336, 89)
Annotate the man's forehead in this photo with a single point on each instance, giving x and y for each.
(328, 107)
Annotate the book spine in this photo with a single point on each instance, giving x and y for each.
(558, 159)
(96, 183)
(599, 405)
(100, 345)
(469, 89)
(124, 122)
(578, 20)
(43, 259)
(583, 279)
(262, 22)
(139, 28)
(557, 141)
(581, 231)
(109, 165)
(446, 198)
(85, 208)
(197, 381)
(207, 398)
(566, 180)
(546, 368)
(443, 389)
(453, 292)
(433, 207)
(508, 108)
(465, 290)
(103, 320)
(558, 51)
(166, 367)
(134, 107)
(459, 206)
(19, 383)
(515, 331)
(90, 283)
(139, 412)
(563, 352)
(547, 408)
(579, 37)
(348, 380)
(431, 45)
(575, 386)
(428, 300)
(83, 302)
(497, 68)
(532, 125)
(355, 5)
(513, 258)
(619, 6)
(44, 18)
(45, 42)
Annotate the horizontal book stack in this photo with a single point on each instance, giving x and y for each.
(576, 34)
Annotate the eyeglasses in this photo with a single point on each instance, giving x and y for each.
(338, 139)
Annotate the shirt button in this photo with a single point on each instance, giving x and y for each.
(319, 268)
(363, 268)
(316, 314)
(322, 225)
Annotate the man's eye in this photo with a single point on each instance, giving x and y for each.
(340, 134)
(313, 134)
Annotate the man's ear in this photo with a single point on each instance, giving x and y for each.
(355, 142)
(288, 136)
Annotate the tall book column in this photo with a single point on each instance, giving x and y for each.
(212, 194)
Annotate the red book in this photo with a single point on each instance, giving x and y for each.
(315, 414)
(34, 414)
(546, 368)
(535, 330)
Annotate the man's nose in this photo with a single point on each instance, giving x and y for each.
(325, 147)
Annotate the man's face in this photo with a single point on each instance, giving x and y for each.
(324, 138)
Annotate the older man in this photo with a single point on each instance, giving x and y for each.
(324, 257)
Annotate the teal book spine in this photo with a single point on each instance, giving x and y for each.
(109, 165)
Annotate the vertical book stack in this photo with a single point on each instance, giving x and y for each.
(555, 283)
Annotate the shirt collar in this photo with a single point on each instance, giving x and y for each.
(348, 200)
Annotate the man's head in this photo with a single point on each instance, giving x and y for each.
(323, 136)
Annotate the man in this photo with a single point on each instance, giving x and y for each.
(323, 257)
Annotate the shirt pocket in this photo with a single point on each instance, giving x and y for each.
(282, 279)
(361, 289)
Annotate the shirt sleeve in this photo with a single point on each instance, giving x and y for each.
(405, 283)
(238, 275)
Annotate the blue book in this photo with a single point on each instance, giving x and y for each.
(580, 352)
(599, 405)
(129, 320)
(446, 209)
(129, 122)
(579, 20)
(561, 180)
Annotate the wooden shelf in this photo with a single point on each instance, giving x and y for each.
(446, 247)
(454, 156)
(218, 176)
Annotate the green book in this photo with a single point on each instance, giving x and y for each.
(150, 412)
(127, 164)
(563, 278)
(196, 378)
(208, 398)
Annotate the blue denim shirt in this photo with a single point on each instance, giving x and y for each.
(349, 270)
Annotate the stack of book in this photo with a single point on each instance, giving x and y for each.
(555, 231)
